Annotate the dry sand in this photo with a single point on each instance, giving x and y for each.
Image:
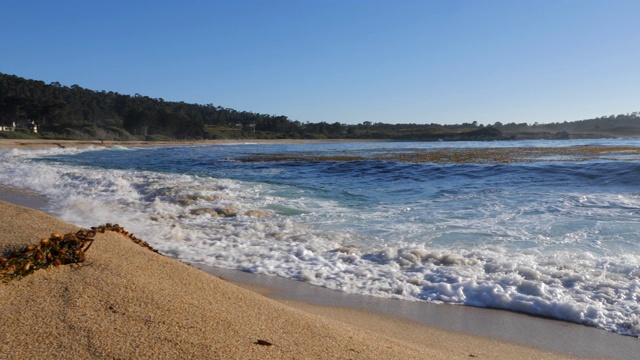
(39, 143)
(128, 302)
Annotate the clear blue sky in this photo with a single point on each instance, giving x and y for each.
(350, 61)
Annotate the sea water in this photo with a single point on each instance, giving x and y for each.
(554, 237)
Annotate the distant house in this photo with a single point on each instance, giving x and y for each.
(28, 124)
(8, 128)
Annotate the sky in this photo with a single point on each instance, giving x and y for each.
(347, 61)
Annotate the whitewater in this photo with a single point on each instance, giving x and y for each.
(554, 236)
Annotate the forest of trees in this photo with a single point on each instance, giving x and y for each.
(77, 113)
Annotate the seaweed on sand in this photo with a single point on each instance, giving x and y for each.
(57, 250)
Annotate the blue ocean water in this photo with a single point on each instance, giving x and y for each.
(552, 237)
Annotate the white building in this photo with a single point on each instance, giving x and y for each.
(29, 125)
(8, 128)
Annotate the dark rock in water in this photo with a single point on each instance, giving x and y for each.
(228, 211)
(202, 211)
(258, 214)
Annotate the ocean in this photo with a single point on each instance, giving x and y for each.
(547, 228)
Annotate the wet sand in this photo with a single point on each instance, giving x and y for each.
(440, 325)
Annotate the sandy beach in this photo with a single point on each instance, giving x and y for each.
(128, 302)
(38, 143)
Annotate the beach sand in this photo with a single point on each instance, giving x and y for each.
(41, 143)
(128, 302)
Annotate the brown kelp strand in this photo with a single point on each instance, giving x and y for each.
(120, 230)
(57, 250)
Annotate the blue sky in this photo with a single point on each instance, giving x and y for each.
(348, 61)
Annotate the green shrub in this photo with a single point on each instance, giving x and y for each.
(17, 135)
(119, 132)
(158, 137)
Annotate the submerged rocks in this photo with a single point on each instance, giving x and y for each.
(191, 199)
(453, 155)
(227, 211)
(258, 214)
(202, 211)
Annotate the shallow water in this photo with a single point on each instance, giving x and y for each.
(551, 236)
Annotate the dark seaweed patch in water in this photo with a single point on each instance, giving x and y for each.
(463, 155)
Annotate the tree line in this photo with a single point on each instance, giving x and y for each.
(78, 113)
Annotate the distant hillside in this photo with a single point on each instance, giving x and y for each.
(624, 125)
(78, 113)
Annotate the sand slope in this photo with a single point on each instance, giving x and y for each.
(128, 302)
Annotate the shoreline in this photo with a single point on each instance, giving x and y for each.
(465, 322)
(445, 328)
(42, 144)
